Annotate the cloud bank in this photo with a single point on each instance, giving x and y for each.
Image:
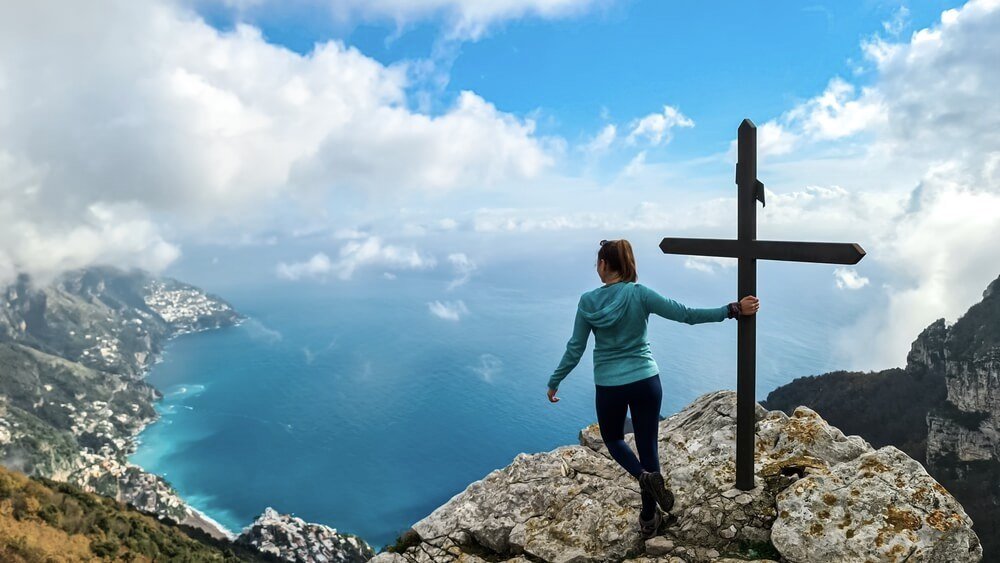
(115, 138)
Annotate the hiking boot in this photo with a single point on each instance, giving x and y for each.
(652, 483)
(648, 528)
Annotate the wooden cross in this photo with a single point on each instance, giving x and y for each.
(747, 249)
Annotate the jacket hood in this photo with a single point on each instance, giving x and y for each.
(605, 306)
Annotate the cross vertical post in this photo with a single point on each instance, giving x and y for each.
(746, 330)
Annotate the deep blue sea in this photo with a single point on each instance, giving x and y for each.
(350, 404)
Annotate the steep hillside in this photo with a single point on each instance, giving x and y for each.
(72, 399)
(72, 357)
(47, 521)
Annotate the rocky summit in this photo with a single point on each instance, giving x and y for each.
(819, 496)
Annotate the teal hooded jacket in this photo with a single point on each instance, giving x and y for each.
(618, 314)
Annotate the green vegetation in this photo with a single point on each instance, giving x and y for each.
(978, 329)
(43, 520)
(404, 541)
(885, 407)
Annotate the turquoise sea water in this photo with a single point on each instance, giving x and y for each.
(353, 406)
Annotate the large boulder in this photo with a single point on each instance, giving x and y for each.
(881, 505)
(575, 504)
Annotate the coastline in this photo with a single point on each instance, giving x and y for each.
(193, 516)
(204, 522)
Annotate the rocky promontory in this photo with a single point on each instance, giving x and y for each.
(819, 496)
(292, 539)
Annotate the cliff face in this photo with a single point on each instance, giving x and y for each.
(943, 408)
(963, 435)
(820, 496)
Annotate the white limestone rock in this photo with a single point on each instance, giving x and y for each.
(882, 505)
(575, 504)
(292, 539)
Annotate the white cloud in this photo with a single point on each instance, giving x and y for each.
(842, 110)
(708, 264)
(773, 139)
(657, 128)
(898, 22)
(470, 146)
(447, 224)
(635, 166)
(602, 141)
(848, 278)
(178, 127)
(448, 310)
(943, 253)
(341, 234)
(526, 220)
(354, 255)
(941, 116)
(466, 19)
(316, 267)
(464, 267)
(372, 251)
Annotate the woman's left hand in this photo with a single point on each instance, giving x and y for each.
(552, 396)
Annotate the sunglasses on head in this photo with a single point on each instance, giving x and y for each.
(603, 242)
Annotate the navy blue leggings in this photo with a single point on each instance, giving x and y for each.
(643, 399)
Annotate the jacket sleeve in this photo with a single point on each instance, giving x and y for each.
(574, 350)
(670, 309)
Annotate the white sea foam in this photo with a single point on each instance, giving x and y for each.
(185, 390)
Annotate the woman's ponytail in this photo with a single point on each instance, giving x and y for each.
(617, 254)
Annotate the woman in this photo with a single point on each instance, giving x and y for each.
(625, 374)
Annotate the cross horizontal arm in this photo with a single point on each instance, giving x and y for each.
(729, 248)
(821, 252)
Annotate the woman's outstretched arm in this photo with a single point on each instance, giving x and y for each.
(670, 309)
(574, 350)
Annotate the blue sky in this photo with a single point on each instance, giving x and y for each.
(347, 141)
(717, 62)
